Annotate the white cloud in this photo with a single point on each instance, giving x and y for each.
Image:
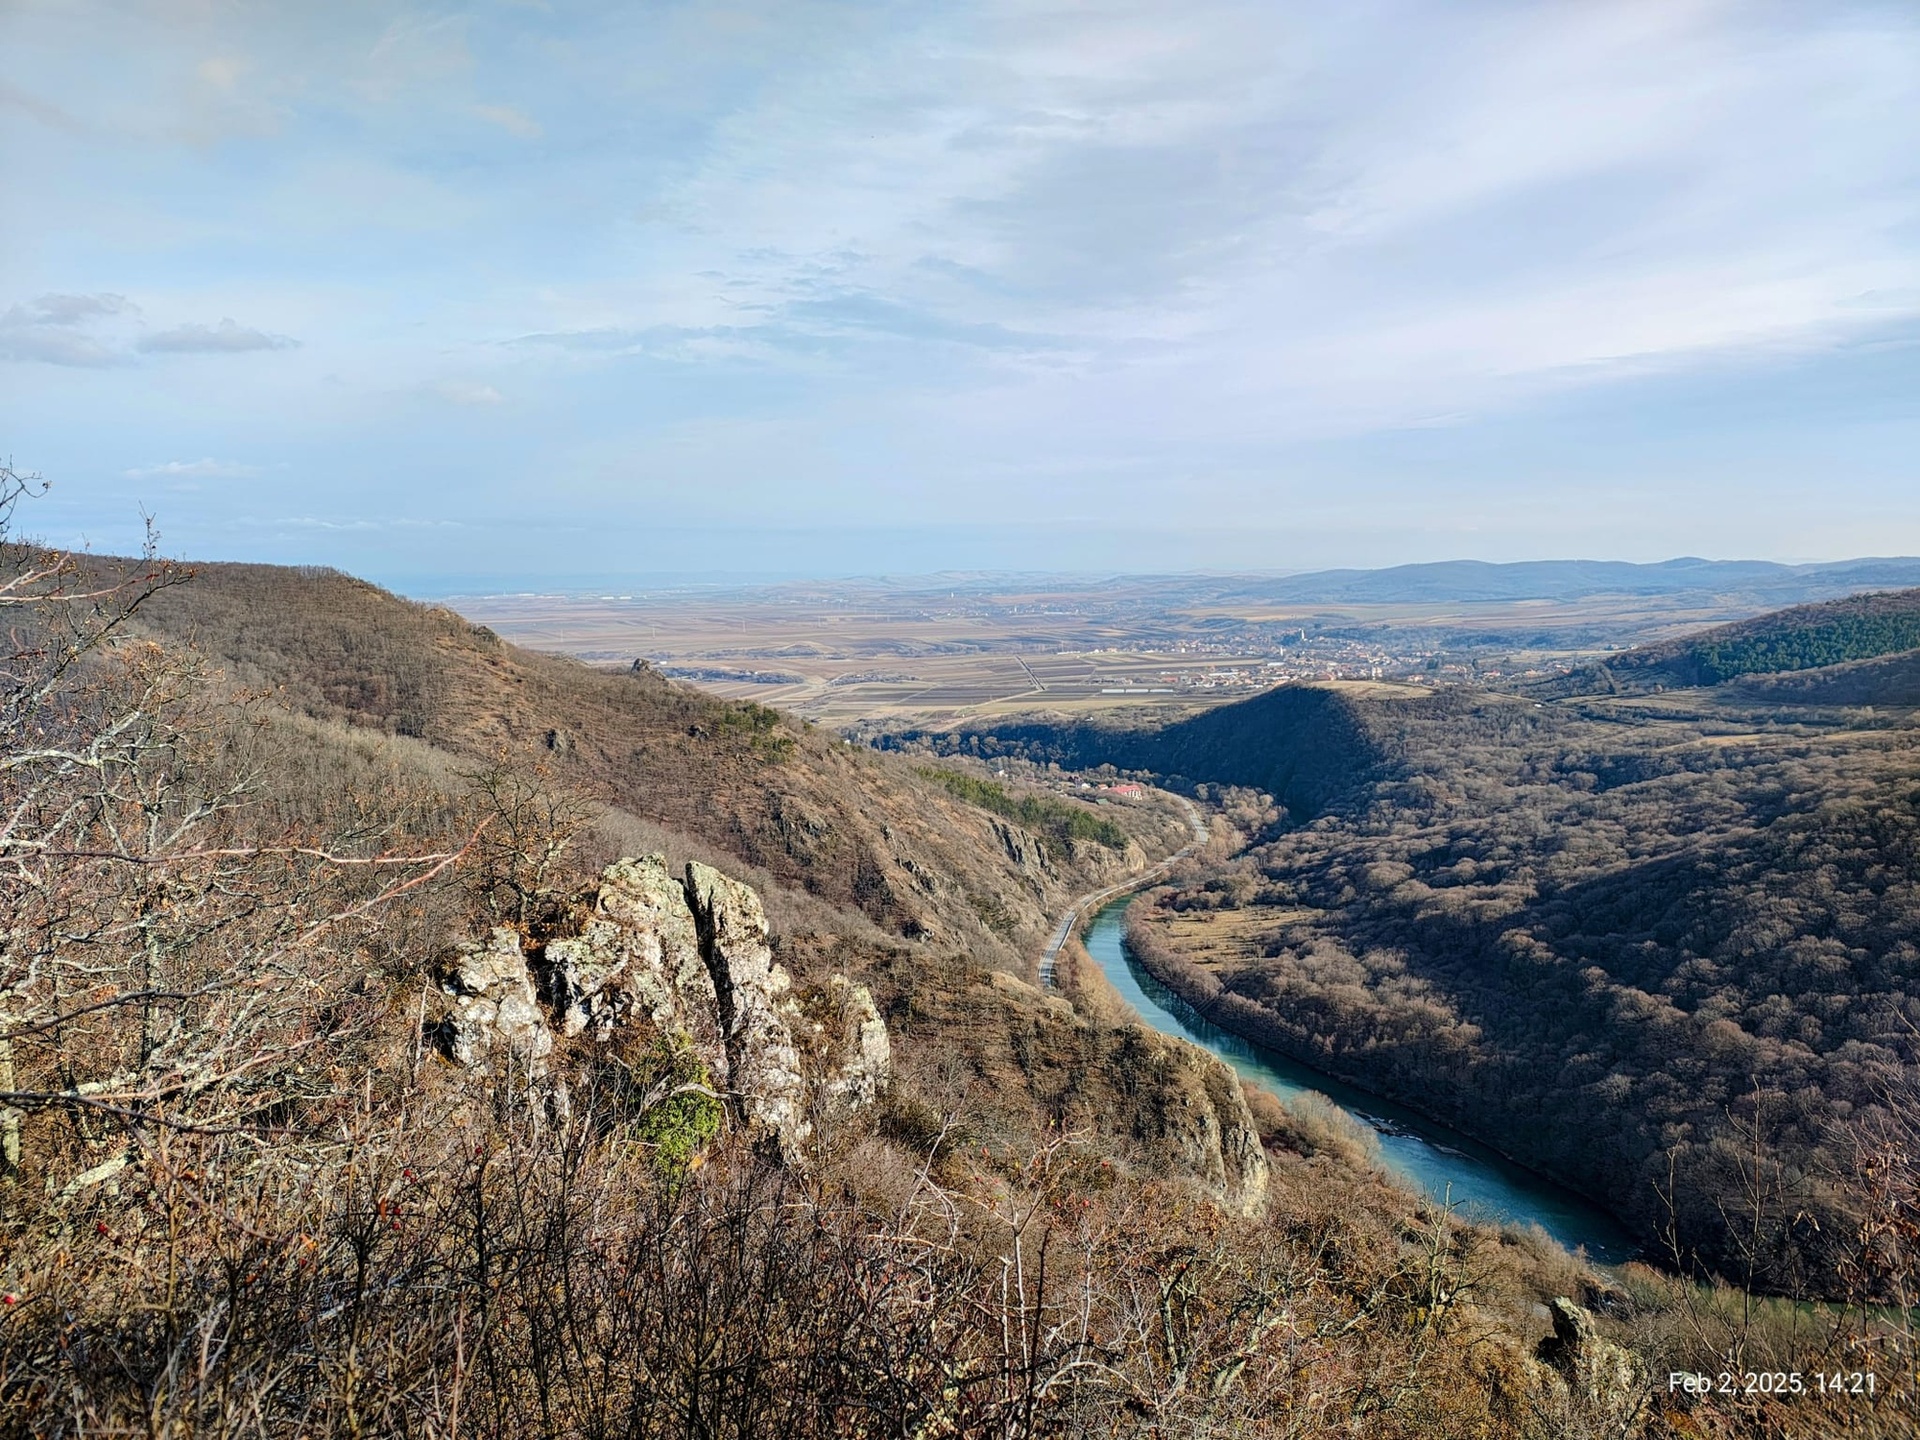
(206, 469)
(73, 330)
(1345, 217)
(226, 338)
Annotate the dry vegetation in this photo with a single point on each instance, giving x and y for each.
(683, 771)
(243, 1194)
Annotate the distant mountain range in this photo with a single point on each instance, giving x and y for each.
(1759, 584)
(1480, 581)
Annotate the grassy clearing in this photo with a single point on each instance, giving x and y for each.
(1058, 818)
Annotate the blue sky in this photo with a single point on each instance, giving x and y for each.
(515, 293)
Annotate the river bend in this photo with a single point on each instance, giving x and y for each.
(1420, 1153)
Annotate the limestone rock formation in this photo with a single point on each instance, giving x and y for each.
(865, 1053)
(495, 1014)
(690, 961)
(1243, 1160)
(1023, 848)
(1601, 1378)
(763, 1064)
(638, 954)
(1188, 1114)
(1229, 1133)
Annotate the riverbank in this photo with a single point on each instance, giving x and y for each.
(1087, 904)
(1421, 1153)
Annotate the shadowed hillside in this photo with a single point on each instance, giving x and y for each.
(1306, 745)
(1677, 931)
(1890, 680)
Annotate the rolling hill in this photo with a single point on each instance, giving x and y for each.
(806, 811)
(1304, 745)
(1802, 638)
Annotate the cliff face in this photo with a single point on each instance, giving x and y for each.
(1195, 1115)
(687, 966)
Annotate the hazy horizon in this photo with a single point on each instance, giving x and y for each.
(816, 290)
(443, 587)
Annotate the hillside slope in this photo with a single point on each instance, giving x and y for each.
(1306, 745)
(1804, 637)
(1889, 680)
(871, 866)
(854, 829)
(1652, 938)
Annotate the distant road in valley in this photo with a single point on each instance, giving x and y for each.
(1094, 899)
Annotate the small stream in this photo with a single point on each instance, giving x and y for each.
(1421, 1153)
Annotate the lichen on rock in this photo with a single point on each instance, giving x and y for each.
(857, 1061)
(763, 1064)
(687, 963)
(495, 1012)
(1599, 1377)
(1244, 1173)
(638, 954)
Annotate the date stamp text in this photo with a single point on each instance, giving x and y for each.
(1772, 1382)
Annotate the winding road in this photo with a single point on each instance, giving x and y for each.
(1096, 898)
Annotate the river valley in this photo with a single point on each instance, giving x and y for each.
(1421, 1153)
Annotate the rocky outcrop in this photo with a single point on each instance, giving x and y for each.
(691, 961)
(495, 1016)
(1244, 1175)
(1225, 1146)
(864, 1049)
(1187, 1113)
(1023, 848)
(1600, 1379)
(763, 1065)
(638, 955)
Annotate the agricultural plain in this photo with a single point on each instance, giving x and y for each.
(935, 652)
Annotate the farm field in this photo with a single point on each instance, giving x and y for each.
(852, 652)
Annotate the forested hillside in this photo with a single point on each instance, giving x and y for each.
(1806, 637)
(1304, 745)
(1656, 934)
(1888, 680)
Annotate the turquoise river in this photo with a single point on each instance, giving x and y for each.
(1419, 1152)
